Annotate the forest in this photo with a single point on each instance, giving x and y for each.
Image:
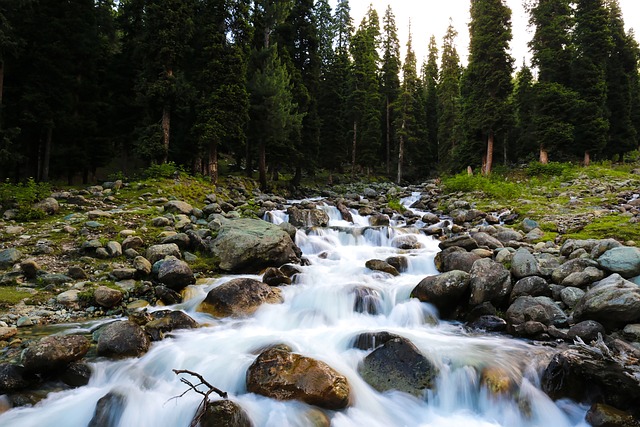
(283, 88)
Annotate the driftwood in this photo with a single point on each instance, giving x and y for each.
(202, 407)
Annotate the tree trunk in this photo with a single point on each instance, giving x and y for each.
(1, 88)
(388, 137)
(587, 158)
(297, 178)
(213, 162)
(544, 156)
(46, 156)
(166, 124)
(262, 166)
(489, 164)
(400, 158)
(248, 160)
(353, 150)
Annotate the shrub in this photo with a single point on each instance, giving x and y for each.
(547, 170)
(22, 197)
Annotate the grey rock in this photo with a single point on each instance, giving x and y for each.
(158, 252)
(132, 242)
(507, 235)
(165, 321)
(142, 265)
(12, 378)
(307, 217)
(399, 262)
(49, 206)
(572, 266)
(379, 220)
(529, 224)
(76, 272)
(175, 274)
(612, 301)
(455, 258)
(177, 206)
(275, 277)
(69, 298)
(533, 286)
(624, 260)
(581, 279)
(570, 296)
(485, 239)
(167, 296)
(54, 352)
(114, 248)
(489, 281)
(587, 330)
(445, 291)
(29, 268)
(96, 214)
(524, 264)
(123, 273)
(109, 410)
(122, 339)
(533, 235)
(223, 413)
(542, 310)
(9, 257)
(180, 239)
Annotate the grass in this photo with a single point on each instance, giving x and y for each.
(9, 295)
(609, 226)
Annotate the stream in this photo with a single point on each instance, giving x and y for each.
(320, 318)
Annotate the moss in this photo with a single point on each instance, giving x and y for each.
(613, 226)
(395, 205)
(9, 295)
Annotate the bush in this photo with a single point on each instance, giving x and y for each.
(547, 170)
(396, 205)
(22, 197)
(163, 170)
(494, 186)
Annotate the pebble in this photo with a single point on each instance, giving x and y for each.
(24, 321)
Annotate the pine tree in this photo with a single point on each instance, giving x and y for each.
(449, 124)
(406, 110)
(430, 82)
(487, 81)
(390, 81)
(523, 105)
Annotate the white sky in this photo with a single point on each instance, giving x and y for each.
(431, 17)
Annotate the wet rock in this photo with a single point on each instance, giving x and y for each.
(372, 340)
(167, 296)
(307, 217)
(532, 286)
(464, 241)
(400, 263)
(398, 365)
(109, 410)
(572, 266)
(624, 260)
(601, 415)
(406, 242)
(12, 378)
(54, 352)
(8, 257)
(248, 245)
(158, 252)
(587, 330)
(274, 277)
(367, 300)
(533, 309)
(107, 297)
(175, 274)
(489, 281)
(487, 240)
(497, 380)
(166, 321)
(122, 339)
(524, 264)
(76, 374)
(379, 220)
(223, 413)
(612, 301)
(455, 258)
(380, 265)
(239, 297)
(283, 375)
(290, 270)
(445, 291)
(488, 323)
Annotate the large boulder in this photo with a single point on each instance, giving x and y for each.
(580, 279)
(464, 241)
(489, 281)
(107, 297)
(624, 260)
(239, 297)
(380, 265)
(223, 413)
(533, 286)
(542, 310)
(445, 291)
(12, 378)
(164, 321)
(571, 266)
(249, 245)
(109, 409)
(49, 206)
(307, 217)
(283, 375)
(175, 274)
(123, 339)
(54, 352)
(398, 365)
(455, 258)
(485, 239)
(524, 264)
(612, 301)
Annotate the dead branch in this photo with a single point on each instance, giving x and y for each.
(202, 407)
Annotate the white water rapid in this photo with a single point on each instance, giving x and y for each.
(318, 320)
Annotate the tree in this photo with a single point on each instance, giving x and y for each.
(390, 81)
(406, 109)
(487, 80)
(430, 82)
(593, 44)
(449, 125)
(523, 106)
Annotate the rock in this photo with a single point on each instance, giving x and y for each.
(29, 268)
(455, 258)
(612, 301)
(122, 339)
(623, 260)
(167, 296)
(529, 224)
(488, 323)
(464, 241)
(506, 235)
(602, 246)
(109, 410)
(524, 264)
(400, 263)
(497, 380)
(630, 332)
(485, 239)
(180, 239)
(132, 242)
(76, 272)
(76, 374)
(8, 257)
(570, 296)
(542, 310)
(158, 252)
(398, 365)
(123, 273)
(179, 207)
(366, 300)
(532, 286)
(489, 281)
(12, 378)
(248, 245)
(534, 235)
(406, 242)
(572, 266)
(274, 277)
(175, 274)
(70, 298)
(166, 321)
(307, 217)
(107, 297)
(7, 332)
(54, 352)
(223, 413)
(49, 206)
(380, 265)
(372, 340)
(587, 330)
(445, 291)
(379, 220)
(239, 297)
(602, 415)
(55, 279)
(581, 279)
(96, 214)
(142, 265)
(114, 249)
(283, 375)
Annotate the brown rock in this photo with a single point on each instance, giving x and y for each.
(239, 297)
(54, 352)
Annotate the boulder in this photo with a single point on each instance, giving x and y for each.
(248, 245)
(489, 281)
(524, 264)
(406, 242)
(400, 263)
(132, 242)
(587, 330)
(167, 296)
(398, 365)
(223, 413)
(623, 260)
(109, 409)
(54, 352)
(532, 286)
(166, 321)
(445, 291)
(12, 378)
(122, 339)
(283, 375)
(239, 297)
(464, 241)
(142, 265)
(542, 310)
(570, 296)
(76, 374)
(506, 235)
(581, 279)
(379, 220)
(488, 323)
(175, 274)
(107, 297)
(275, 277)
(307, 217)
(8, 257)
(49, 206)
(366, 300)
(380, 265)
(602, 415)
(179, 207)
(158, 252)
(612, 301)
(455, 258)
(485, 239)
(571, 266)
(372, 340)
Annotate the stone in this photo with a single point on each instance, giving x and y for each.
(581, 279)
(372, 340)
(49, 206)
(175, 273)
(487, 240)
(109, 409)
(132, 242)
(8, 257)
(76, 374)
(158, 252)
(122, 339)
(247, 245)
(524, 264)
(398, 365)
(631, 332)
(572, 266)
(283, 375)
(96, 214)
(488, 323)
(445, 291)
(179, 207)
(142, 265)
(180, 239)
(166, 321)
(587, 330)
(76, 272)
(367, 300)
(489, 281)
(570, 296)
(12, 378)
(107, 297)
(114, 249)
(302, 218)
(623, 260)
(223, 413)
(239, 297)
(464, 241)
(70, 298)
(506, 235)
(400, 263)
(380, 265)
(54, 352)
(529, 224)
(161, 221)
(29, 268)
(542, 310)
(123, 273)
(612, 301)
(274, 277)
(602, 415)
(406, 242)
(167, 296)
(533, 286)
(455, 258)
(7, 332)
(379, 220)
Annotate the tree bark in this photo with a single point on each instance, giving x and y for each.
(213, 162)
(262, 166)
(544, 156)
(46, 156)
(587, 158)
(166, 124)
(353, 149)
(489, 164)
(400, 155)
(388, 136)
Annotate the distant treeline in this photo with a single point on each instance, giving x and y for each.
(287, 87)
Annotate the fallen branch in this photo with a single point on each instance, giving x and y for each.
(202, 407)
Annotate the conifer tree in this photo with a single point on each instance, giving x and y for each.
(430, 82)
(523, 106)
(390, 80)
(406, 133)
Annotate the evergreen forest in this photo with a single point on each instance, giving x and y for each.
(281, 89)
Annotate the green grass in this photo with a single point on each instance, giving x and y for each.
(9, 295)
(396, 205)
(609, 226)
(495, 186)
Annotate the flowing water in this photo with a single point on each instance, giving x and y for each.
(320, 318)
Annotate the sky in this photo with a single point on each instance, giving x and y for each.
(431, 17)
